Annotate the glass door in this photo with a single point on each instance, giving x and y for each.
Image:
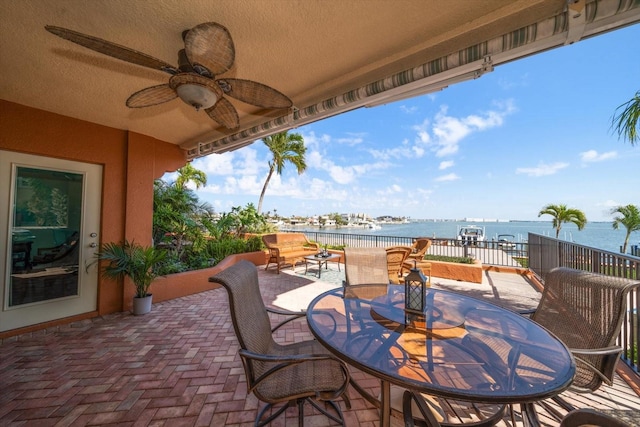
(51, 234)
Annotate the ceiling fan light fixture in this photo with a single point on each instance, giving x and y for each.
(196, 91)
(197, 96)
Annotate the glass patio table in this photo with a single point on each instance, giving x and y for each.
(459, 348)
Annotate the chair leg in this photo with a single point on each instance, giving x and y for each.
(301, 412)
(338, 417)
(271, 417)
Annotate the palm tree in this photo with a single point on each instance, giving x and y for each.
(627, 122)
(285, 147)
(561, 214)
(189, 173)
(630, 219)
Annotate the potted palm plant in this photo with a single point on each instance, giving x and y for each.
(137, 262)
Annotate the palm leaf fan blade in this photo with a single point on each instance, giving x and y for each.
(255, 93)
(224, 113)
(210, 45)
(153, 95)
(111, 49)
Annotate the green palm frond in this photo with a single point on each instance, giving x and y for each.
(562, 214)
(129, 259)
(626, 120)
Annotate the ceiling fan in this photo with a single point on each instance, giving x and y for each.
(208, 52)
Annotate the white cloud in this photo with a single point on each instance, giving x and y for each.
(446, 164)
(448, 131)
(391, 190)
(342, 174)
(216, 164)
(591, 156)
(311, 141)
(448, 177)
(403, 151)
(408, 110)
(352, 139)
(542, 169)
(609, 204)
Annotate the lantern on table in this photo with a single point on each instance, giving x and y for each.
(414, 290)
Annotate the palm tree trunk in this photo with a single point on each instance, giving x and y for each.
(264, 189)
(626, 242)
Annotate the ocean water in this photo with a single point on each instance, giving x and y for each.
(599, 235)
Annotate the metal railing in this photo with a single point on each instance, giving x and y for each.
(546, 253)
(490, 252)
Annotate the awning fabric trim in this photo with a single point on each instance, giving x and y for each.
(601, 16)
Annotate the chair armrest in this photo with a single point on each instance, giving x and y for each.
(527, 312)
(611, 356)
(294, 358)
(293, 315)
(286, 312)
(274, 250)
(596, 351)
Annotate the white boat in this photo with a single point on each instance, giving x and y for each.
(506, 241)
(470, 235)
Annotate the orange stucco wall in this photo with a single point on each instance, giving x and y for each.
(130, 164)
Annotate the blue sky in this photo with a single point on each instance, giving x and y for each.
(532, 132)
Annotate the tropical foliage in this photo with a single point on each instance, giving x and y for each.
(179, 225)
(187, 174)
(238, 222)
(284, 147)
(129, 259)
(190, 231)
(626, 120)
(561, 215)
(629, 218)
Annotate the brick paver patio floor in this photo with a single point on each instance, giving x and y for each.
(177, 365)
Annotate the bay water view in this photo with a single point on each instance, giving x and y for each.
(599, 235)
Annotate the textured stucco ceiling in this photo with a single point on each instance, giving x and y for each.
(307, 49)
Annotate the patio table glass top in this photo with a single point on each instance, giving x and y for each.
(460, 347)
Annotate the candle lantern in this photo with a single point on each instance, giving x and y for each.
(414, 290)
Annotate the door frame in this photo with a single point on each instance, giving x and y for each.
(86, 300)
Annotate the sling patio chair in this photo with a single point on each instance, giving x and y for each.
(369, 266)
(365, 266)
(591, 418)
(289, 374)
(418, 412)
(585, 311)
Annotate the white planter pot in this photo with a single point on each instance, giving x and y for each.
(142, 305)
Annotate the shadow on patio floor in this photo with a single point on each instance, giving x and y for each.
(179, 365)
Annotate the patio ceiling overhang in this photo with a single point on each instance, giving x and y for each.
(580, 20)
(329, 57)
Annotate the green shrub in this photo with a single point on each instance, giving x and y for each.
(219, 249)
(459, 260)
